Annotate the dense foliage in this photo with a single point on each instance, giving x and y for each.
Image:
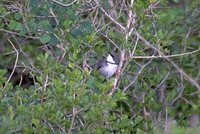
(48, 80)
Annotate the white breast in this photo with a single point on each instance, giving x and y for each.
(109, 70)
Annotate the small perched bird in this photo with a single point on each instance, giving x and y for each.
(108, 66)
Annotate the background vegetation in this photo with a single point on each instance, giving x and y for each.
(48, 83)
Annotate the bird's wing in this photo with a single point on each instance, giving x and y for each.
(100, 63)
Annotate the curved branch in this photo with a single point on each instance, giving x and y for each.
(64, 5)
(15, 65)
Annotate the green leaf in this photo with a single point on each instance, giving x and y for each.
(45, 38)
(53, 40)
(67, 23)
(14, 25)
(2, 75)
(92, 61)
(176, 1)
(71, 65)
(2, 10)
(35, 121)
(82, 29)
(33, 5)
(71, 14)
(18, 16)
(46, 26)
(91, 82)
(23, 30)
(33, 26)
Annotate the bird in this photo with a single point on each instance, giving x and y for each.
(107, 67)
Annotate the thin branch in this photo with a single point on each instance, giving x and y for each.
(49, 124)
(112, 19)
(166, 127)
(180, 92)
(118, 73)
(15, 33)
(46, 82)
(122, 53)
(165, 56)
(187, 101)
(170, 61)
(73, 119)
(164, 79)
(21, 77)
(54, 16)
(137, 75)
(134, 48)
(15, 65)
(130, 21)
(109, 39)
